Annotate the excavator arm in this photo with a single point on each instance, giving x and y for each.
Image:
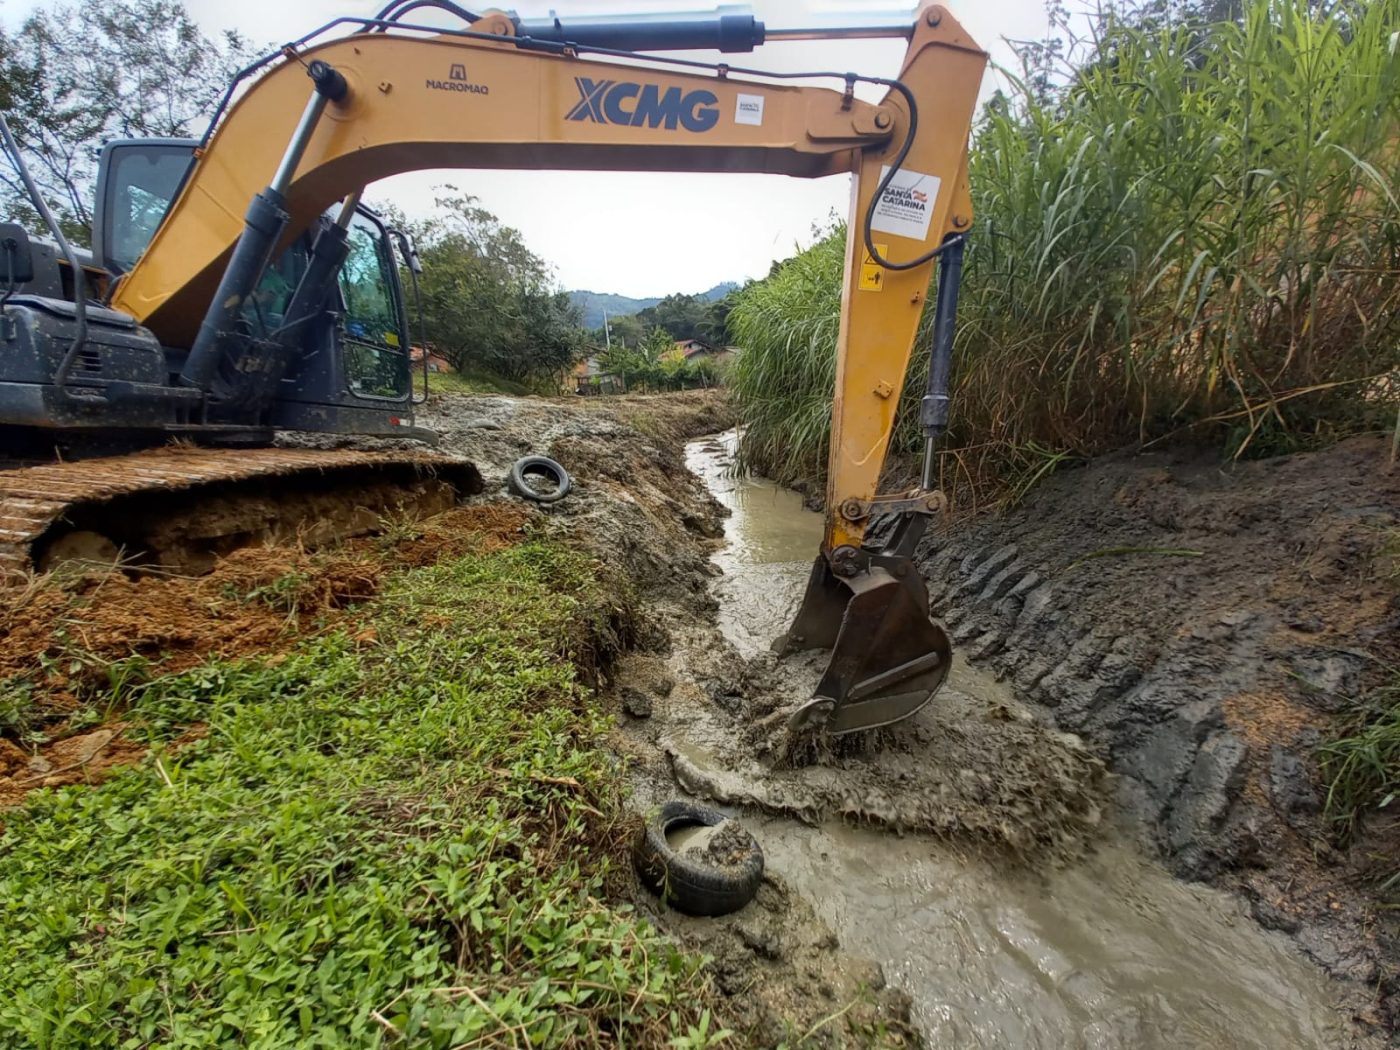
(385, 102)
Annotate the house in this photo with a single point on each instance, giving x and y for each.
(589, 377)
(693, 350)
(436, 362)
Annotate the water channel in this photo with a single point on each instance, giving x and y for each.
(1111, 952)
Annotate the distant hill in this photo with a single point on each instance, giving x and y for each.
(594, 303)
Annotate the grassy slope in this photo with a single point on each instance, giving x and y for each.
(469, 382)
(400, 831)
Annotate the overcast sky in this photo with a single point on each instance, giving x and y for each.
(632, 233)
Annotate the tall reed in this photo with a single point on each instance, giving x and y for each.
(1197, 235)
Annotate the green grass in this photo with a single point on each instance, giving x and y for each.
(470, 382)
(1197, 235)
(398, 842)
(1362, 765)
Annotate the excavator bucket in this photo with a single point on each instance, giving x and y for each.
(887, 657)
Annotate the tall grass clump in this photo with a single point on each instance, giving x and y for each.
(783, 379)
(1193, 233)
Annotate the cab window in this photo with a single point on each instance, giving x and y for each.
(375, 362)
(139, 184)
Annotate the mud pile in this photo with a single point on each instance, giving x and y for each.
(979, 771)
(1204, 629)
(633, 503)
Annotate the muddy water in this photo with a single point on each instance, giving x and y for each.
(1109, 953)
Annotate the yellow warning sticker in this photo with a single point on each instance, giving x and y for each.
(872, 274)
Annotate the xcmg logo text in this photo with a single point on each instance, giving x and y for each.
(643, 105)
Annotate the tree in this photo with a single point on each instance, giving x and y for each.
(656, 363)
(679, 315)
(626, 329)
(77, 75)
(489, 303)
(713, 326)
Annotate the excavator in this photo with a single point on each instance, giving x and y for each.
(237, 288)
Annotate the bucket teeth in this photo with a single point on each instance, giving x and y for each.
(887, 657)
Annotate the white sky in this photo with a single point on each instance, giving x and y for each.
(643, 234)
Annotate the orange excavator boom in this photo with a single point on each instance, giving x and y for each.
(499, 93)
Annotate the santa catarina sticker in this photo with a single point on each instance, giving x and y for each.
(906, 206)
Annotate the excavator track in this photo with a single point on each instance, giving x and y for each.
(181, 508)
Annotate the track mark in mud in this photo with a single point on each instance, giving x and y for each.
(1208, 682)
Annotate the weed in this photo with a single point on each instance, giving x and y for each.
(1362, 767)
(1036, 464)
(283, 594)
(400, 527)
(1387, 557)
(698, 1036)
(18, 716)
(403, 841)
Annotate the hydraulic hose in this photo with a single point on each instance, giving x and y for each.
(895, 165)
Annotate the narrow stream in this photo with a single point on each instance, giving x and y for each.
(1110, 953)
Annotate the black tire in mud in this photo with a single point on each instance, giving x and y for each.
(541, 466)
(689, 882)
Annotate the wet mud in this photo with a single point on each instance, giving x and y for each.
(963, 883)
(1205, 629)
(974, 858)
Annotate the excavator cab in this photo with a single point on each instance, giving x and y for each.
(341, 365)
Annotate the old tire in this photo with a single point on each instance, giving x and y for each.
(539, 465)
(687, 882)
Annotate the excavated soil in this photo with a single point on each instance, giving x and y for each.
(1204, 628)
(66, 637)
(978, 771)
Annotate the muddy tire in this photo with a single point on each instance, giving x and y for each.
(541, 466)
(686, 881)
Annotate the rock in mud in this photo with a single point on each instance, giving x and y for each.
(635, 702)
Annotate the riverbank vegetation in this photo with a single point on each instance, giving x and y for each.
(396, 830)
(1186, 230)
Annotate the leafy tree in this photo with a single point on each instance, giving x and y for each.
(655, 363)
(658, 344)
(76, 75)
(627, 329)
(489, 303)
(713, 327)
(679, 315)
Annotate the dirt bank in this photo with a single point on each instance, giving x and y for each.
(75, 645)
(1204, 629)
(633, 502)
